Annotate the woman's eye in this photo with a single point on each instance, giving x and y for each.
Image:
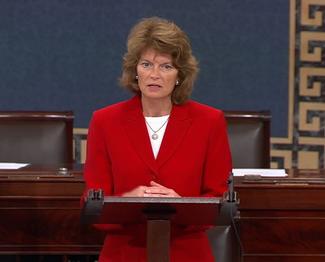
(145, 64)
(167, 67)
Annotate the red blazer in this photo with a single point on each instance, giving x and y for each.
(194, 160)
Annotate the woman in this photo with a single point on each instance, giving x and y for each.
(159, 143)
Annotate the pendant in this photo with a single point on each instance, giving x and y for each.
(154, 136)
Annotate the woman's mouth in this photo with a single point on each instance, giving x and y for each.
(154, 87)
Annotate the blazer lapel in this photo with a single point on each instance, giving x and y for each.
(137, 133)
(177, 127)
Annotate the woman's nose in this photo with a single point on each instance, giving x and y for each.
(155, 73)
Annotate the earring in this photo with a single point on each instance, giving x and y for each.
(177, 82)
(136, 77)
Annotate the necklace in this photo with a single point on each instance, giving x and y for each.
(155, 136)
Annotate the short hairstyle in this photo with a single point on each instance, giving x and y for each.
(164, 37)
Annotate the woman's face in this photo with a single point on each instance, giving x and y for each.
(156, 75)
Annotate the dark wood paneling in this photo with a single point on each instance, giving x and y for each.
(282, 219)
(279, 219)
(40, 214)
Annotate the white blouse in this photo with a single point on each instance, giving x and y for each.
(156, 127)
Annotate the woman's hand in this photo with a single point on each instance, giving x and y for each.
(157, 190)
(136, 192)
(154, 190)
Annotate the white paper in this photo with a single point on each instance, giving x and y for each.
(259, 172)
(6, 165)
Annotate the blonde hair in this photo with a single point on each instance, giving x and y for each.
(164, 37)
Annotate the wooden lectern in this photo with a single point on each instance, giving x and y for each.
(157, 213)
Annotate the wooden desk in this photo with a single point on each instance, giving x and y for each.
(40, 213)
(282, 219)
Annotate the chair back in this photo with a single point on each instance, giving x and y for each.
(36, 137)
(249, 137)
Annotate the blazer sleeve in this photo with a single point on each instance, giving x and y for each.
(97, 170)
(218, 159)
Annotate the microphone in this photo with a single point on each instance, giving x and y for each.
(231, 194)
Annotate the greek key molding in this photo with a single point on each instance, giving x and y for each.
(317, 18)
(306, 38)
(306, 105)
(314, 123)
(309, 74)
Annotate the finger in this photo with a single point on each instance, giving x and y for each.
(153, 183)
(142, 188)
(157, 190)
(154, 195)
